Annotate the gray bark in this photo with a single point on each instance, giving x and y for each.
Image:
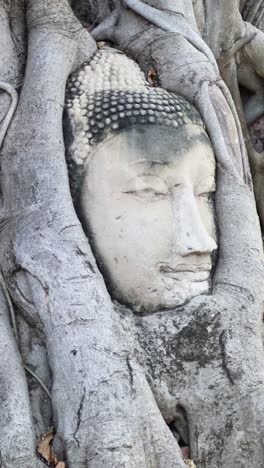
(17, 440)
(117, 379)
(54, 279)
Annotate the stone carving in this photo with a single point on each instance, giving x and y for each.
(142, 174)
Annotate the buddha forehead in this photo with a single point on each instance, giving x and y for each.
(157, 146)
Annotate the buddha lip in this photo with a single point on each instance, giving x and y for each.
(201, 275)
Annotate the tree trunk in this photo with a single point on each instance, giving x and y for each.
(119, 382)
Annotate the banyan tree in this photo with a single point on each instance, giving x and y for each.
(131, 253)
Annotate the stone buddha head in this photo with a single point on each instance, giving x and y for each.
(142, 173)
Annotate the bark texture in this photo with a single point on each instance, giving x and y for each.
(123, 384)
(52, 275)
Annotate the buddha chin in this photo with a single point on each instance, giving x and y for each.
(170, 293)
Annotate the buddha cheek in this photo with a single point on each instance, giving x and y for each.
(141, 240)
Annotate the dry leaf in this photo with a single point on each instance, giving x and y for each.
(152, 77)
(190, 464)
(44, 447)
(100, 44)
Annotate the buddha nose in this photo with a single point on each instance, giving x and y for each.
(189, 232)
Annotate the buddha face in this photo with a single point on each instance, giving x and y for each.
(146, 202)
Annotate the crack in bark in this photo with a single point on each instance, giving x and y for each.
(45, 287)
(130, 370)
(242, 290)
(223, 357)
(89, 266)
(68, 227)
(79, 417)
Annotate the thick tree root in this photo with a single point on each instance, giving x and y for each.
(8, 118)
(254, 109)
(253, 11)
(105, 414)
(17, 438)
(169, 22)
(228, 67)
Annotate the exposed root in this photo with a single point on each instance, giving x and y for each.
(9, 116)
(233, 108)
(228, 68)
(229, 55)
(30, 372)
(105, 28)
(14, 325)
(253, 11)
(167, 22)
(254, 108)
(206, 108)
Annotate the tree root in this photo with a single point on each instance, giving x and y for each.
(167, 22)
(9, 116)
(106, 27)
(228, 67)
(35, 377)
(229, 55)
(254, 108)
(14, 325)
(253, 12)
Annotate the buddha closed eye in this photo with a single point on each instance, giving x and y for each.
(146, 204)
